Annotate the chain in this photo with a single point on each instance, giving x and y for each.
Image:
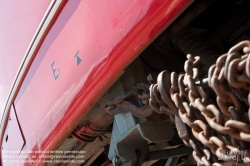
(214, 109)
(208, 108)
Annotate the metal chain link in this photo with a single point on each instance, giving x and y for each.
(208, 109)
(217, 122)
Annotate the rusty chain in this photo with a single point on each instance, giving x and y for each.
(208, 109)
(217, 121)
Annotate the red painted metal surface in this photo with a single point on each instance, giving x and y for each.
(87, 48)
(18, 24)
(13, 139)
